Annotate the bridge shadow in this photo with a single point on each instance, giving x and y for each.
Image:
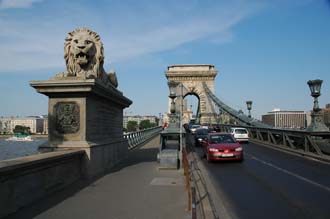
(135, 156)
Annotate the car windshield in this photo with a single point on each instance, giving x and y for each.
(216, 139)
(201, 132)
(240, 131)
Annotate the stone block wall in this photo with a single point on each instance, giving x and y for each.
(27, 179)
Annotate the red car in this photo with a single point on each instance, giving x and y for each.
(222, 146)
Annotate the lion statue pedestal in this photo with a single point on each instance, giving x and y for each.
(85, 107)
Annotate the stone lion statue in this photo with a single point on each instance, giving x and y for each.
(83, 54)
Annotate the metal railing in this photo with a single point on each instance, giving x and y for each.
(139, 137)
(200, 202)
(240, 118)
(311, 144)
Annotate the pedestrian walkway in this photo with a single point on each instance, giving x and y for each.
(134, 189)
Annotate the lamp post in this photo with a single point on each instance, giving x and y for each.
(172, 96)
(317, 123)
(315, 87)
(181, 118)
(173, 117)
(170, 157)
(249, 107)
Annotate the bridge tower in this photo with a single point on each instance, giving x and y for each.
(189, 80)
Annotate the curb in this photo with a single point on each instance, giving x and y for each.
(199, 179)
(209, 204)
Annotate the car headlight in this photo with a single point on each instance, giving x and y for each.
(213, 150)
(239, 149)
(200, 139)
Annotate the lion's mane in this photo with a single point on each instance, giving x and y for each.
(94, 69)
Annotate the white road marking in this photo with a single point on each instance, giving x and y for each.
(291, 173)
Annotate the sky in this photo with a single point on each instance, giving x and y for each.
(263, 50)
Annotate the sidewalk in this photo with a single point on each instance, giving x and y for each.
(135, 189)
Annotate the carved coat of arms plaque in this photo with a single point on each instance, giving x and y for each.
(67, 117)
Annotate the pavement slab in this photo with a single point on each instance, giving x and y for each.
(134, 189)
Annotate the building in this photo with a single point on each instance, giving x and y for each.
(138, 119)
(45, 125)
(285, 119)
(326, 114)
(8, 124)
(5, 125)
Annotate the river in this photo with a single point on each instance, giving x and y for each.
(14, 149)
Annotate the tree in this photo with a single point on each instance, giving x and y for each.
(132, 126)
(145, 124)
(21, 129)
(157, 121)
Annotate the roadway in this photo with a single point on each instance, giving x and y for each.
(271, 184)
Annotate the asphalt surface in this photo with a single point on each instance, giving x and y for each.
(271, 184)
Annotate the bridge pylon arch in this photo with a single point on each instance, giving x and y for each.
(189, 80)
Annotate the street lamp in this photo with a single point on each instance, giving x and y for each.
(172, 86)
(172, 96)
(315, 87)
(317, 124)
(249, 107)
(173, 157)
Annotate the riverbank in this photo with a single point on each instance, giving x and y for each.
(33, 136)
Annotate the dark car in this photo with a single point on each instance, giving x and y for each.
(200, 135)
(193, 128)
(216, 128)
(222, 146)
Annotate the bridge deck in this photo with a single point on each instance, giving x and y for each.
(134, 189)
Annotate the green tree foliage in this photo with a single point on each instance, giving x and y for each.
(145, 124)
(132, 126)
(21, 129)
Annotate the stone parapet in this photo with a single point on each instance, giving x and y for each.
(27, 179)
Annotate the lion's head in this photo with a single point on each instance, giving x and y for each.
(83, 53)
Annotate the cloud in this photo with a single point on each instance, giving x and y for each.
(34, 40)
(4, 4)
(169, 37)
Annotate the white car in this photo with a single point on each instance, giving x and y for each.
(240, 134)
